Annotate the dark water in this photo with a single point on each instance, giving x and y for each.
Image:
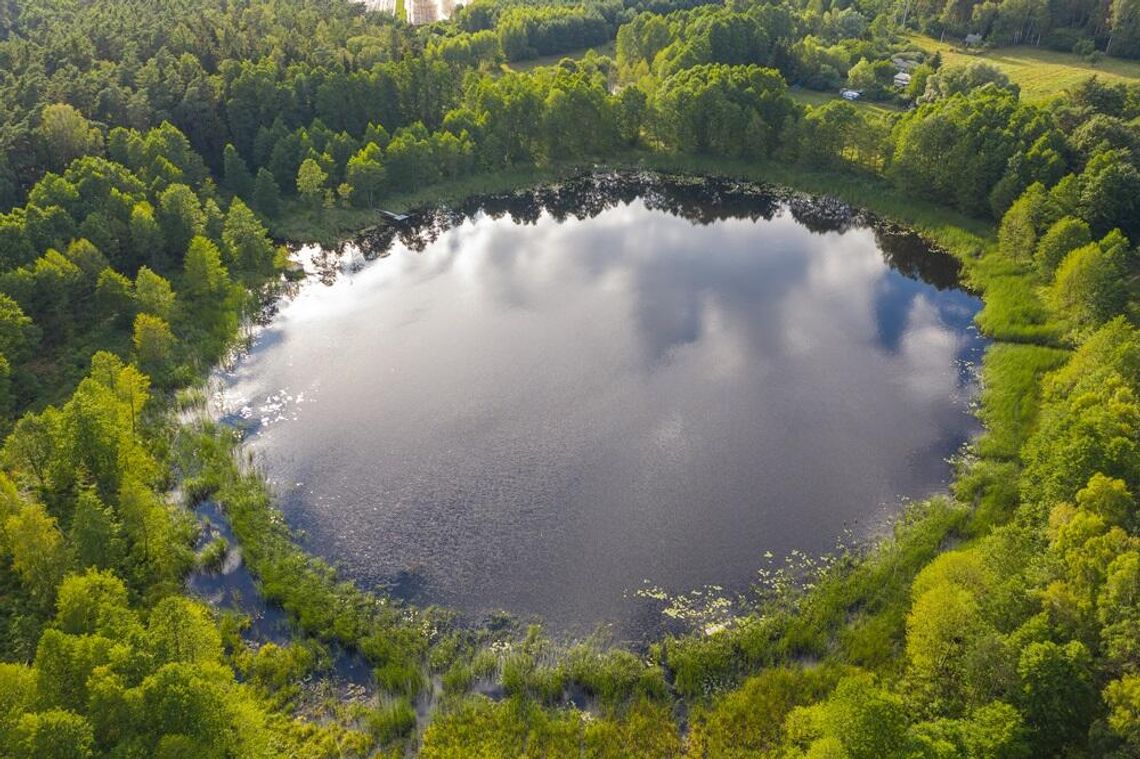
(231, 587)
(544, 402)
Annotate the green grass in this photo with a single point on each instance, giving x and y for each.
(607, 50)
(1013, 310)
(816, 98)
(1041, 74)
(1011, 377)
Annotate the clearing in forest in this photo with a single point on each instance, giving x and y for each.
(1040, 73)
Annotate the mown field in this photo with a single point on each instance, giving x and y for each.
(816, 98)
(1041, 74)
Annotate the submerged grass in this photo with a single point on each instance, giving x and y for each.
(852, 611)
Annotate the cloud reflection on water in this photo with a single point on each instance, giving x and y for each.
(541, 416)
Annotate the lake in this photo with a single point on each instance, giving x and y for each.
(548, 401)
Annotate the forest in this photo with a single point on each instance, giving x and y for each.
(154, 159)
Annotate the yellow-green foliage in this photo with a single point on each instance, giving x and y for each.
(1004, 623)
(749, 720)
(517, 728)
(1089, 420)
(1089, 287)
(861, 719)
(1064, 235)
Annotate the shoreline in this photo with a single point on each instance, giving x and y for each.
(745, 617)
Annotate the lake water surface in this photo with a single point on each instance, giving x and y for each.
(547, 401)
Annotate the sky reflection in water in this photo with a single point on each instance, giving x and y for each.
(541, 417)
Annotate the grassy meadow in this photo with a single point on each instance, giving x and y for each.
(1042, 74)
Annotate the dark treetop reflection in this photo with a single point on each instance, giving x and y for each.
(624, 379)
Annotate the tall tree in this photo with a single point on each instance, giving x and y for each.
(181, 218)
(236, 174)
(95, 533)
(204, 277)
(366, 174)
(147, 242)
(65, 135)
(247, 245)
(154, 344)
(1124, 22)
(39, 552)
(266, 193)
(311, 181)
(154, 294)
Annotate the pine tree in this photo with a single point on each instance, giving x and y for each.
(237, 176)
(266, 194)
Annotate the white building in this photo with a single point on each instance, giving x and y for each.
(417, 11)
(427, 11)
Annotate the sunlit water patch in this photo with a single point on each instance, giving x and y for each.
(549, 402)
